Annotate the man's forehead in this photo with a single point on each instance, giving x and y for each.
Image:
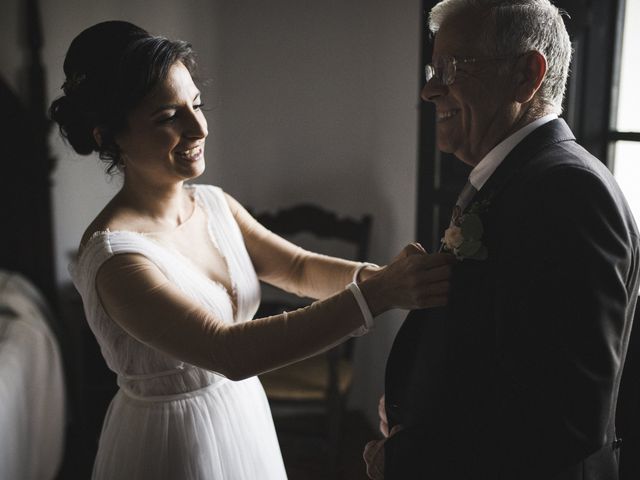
(460, 35)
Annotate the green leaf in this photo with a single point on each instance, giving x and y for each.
(469, 248)
(471, 226)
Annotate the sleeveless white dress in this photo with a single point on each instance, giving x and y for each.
(171, 420)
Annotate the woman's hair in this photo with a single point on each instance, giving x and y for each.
(515, 27)
(110, 67)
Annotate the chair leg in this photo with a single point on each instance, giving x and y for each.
(335, 417)
(334, 442)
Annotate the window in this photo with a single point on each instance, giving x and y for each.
(625, 135)
(602, 107)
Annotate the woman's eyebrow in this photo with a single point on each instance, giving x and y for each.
(171, 106)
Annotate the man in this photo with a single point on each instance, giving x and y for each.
(517, 378)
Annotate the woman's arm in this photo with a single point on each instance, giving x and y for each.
(289, 267)
(140, 298)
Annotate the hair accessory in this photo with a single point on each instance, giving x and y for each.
(72, 82)
(364, 307)
(361, 267)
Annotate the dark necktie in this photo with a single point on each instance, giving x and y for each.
(465, 196)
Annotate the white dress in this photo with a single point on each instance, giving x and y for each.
(171, 420)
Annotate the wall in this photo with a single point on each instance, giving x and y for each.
(317, 102)
(307, 101)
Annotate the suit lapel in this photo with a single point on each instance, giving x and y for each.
(433, 347)
(471, 316)
(548, 134)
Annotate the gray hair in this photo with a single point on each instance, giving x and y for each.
(519, 26)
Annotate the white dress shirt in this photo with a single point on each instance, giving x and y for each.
(485, 168)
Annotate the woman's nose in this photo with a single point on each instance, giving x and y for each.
(197, 126)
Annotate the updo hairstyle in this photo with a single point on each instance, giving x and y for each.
(110, 67)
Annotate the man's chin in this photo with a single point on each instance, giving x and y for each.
(458, 153)
(445, 147)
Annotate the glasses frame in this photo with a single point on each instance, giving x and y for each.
(446, 73)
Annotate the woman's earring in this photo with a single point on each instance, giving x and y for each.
(97, 136)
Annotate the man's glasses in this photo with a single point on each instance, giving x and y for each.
(444, 71)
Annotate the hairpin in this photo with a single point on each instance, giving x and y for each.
(72, 82)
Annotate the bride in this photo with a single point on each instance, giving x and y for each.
(169, 274)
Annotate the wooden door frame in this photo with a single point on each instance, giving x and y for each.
(589, 106)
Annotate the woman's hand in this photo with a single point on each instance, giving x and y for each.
(373, 455)
(374, 450)
(414, 279)
(382, 413)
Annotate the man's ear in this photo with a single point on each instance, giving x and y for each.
(97, 136)
(531, 70)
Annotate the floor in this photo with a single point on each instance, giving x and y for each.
(306, 457)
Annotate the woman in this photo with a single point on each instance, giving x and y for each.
(169, 274)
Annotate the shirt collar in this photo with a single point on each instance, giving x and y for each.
(483, 170)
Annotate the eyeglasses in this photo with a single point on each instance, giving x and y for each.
(445, 69)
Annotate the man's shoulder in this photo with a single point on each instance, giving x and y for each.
(556, 151)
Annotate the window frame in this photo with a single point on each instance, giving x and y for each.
(590, 107)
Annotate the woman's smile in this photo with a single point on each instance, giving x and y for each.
(192, 154)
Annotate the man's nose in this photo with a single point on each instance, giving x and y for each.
(432, 90)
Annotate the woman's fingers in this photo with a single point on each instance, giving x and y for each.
(411, 249)
(430, 285)
(438, 288)
(431, 302)
(382, 413)
(435, 274)
(374, 458)
(418, 248)
(414, 279)
(384, 428)
(437, 259)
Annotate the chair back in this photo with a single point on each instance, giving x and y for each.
(323, 225)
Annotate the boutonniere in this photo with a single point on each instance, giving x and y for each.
(463, 238)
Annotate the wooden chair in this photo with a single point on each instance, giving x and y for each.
(322, 381)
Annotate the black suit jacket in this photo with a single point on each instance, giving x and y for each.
(517, 377)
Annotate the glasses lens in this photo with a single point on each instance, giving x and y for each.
(429, 72)
(448, 68)
(444, 71)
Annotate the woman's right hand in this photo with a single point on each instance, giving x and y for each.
(413, 280)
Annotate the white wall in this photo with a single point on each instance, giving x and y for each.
(317, 101)
(309, 101)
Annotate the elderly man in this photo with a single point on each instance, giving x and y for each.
(517, 378)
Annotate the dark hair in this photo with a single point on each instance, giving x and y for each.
(110, 67)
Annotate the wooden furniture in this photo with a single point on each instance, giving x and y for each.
(323, 381)
(26, 245)
(25, 196)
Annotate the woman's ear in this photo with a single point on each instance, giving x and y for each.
(532, 68)
(97, 136)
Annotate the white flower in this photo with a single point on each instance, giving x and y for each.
(453, 237)
(464, 238)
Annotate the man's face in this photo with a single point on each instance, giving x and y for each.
(475, 112)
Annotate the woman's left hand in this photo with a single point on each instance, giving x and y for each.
(382, 413)
(374, 455)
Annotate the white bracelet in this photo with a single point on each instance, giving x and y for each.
(361, 267)
(362, 303)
